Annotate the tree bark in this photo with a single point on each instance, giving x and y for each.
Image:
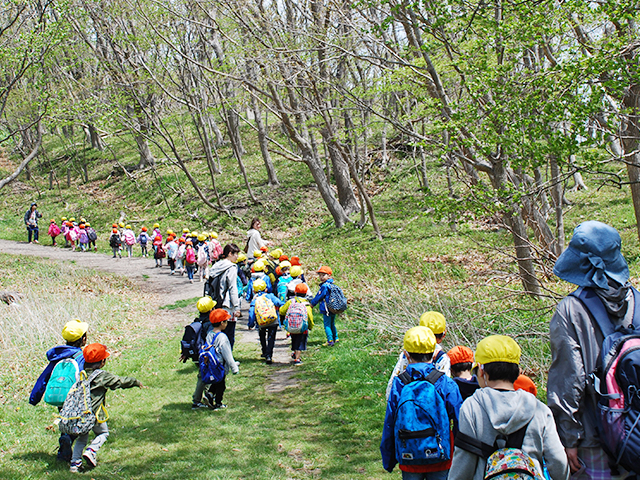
(264, 143)
(630, 144)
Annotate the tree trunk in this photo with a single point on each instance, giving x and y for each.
(146, 157)
(346, 196)
(236, 144)
(557, 194)
(340, 218)
(94, 138)
(630, 142)
(264, 143)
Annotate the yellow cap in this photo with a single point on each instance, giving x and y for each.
(259, 286)
(74, 330)
(205, 304)
(185, 230)
(296, 271)
(242, 257)
(257, 253)
(285, 264)
(202, 237)
(213, 235)
(129, 227)
(121, 225)
(156, 225)
(435, 321)
(497, 348)
(277, 253)
(258, 266)
(419, 340)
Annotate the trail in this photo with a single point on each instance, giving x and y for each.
(168, 289)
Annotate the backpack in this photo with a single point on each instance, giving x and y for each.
(615, 382)
(91, 233)
(192, 340)
(54, 230)
(422, 426)
(282, 288)
(213, 289)
(190, 256)
(297, 319)
(505, 458)
(265, 311)
(129, 237)
(202, 256)
(64, 375)
(160, 253)
(336, 302)
(211, 367)
(76, 416)
(72, 235)
(114, 240)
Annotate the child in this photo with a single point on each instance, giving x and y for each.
(496, 408)
(189, 259)
(325, 273)
(267, 332)
(156, 230)
(202, 256)
(143, 239)
(215, 248)
(297, 278)
(461, 363)
(54, 231)
(75, 334)
(257, 274)
(172, 249)
(213, 396)
(115, 242)
(93, 236)
(72, 235)
(129, 240)
(298, 340)
(419, 347)
(525, 383)
(95, 356)
(158, 251)
(180, 255)
(83, 238)
(436, 322)
(284, 280)
(64, 228)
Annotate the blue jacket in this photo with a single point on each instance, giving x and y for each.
(54, 356)
(444, 386)
(321, 296)
(254, 277)
(252, 309)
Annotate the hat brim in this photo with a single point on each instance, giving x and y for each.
(574, 266)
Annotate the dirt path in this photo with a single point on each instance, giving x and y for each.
(167, 289)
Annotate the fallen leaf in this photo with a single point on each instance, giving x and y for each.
(165, 449)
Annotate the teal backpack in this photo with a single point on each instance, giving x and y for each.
(64, 375)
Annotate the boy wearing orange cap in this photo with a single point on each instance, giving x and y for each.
(461, 362)
(498, 409)
(75, 335)
(329, 319)
(298, 340)
(95, 356)
(219, 318)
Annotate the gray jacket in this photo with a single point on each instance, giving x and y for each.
(575, 347)
(228, 284)
(489, 412)
(223, 349)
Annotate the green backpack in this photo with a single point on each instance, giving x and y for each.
(64, 375)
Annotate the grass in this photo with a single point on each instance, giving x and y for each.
(327, 426)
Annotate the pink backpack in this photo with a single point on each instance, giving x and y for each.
(191, 256)
(54, 230)
(129, 237)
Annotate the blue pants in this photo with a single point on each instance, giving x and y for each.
(330, 326)
(190, 271)
(426, 476)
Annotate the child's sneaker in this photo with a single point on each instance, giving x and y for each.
(331, 344)
(197, 406)
(297, 362)
(219, 406)
(76, 467)
(90, 457)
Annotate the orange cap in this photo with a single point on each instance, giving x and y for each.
(325, 269)
(302, 288)
(525, 383)
(295, 261)
(219, 315)
(283, 258)
(460, 354)
(264, 249)
(95, 352)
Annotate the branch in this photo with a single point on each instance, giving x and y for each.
(26, 161)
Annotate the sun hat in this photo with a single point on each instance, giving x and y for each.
(301, 288)
(275, 253)
(435, 321)
(63, 219)
(81, 226)
(121, 225)
(296, 271)
(460, 354)
(497, 348)
(95, 352)
(87, 224)
(114, 225)
(325, 269)
(53, 220)
(201, 237)
(74, 330)
(259, 286)
(189, 242)
(592, 255)
(264, 249)
(205, 304)
(525, 383)
(242, 257)
(419, 340)
(213, 235)
(170, 232)
(72, 219)
(219, 315)
(185, 230)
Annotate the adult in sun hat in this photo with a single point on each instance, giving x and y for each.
(419, 346)
(498, 408)
(254, 238)
(31, 222)
(74, 334)
(593, 262)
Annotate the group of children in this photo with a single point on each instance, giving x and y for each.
(76, 234)
(462, 416)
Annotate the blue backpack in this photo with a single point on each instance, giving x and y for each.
(616, 382)
(211, 367)
(64, 376)
(336, 301)
(422, 426)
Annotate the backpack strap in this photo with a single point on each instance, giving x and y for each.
(595, 308)
(484, 450)
(438, 356)
(405, 378)
(434, 376)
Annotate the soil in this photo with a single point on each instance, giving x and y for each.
(165, 289)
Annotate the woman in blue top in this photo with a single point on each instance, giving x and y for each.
(329, 318)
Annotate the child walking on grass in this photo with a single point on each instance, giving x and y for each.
(298, 320)
(325, 273)
(95, 357)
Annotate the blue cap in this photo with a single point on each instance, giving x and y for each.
(592, 255)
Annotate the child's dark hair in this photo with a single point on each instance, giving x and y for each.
(439, 336)
(254, 221)
(93, 365)
(502, 371)
(458, 368)
(229, 249)
(421, 357)
(217, 324)
(78, 343)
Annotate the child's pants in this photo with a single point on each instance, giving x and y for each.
(172, 264)
(101, 431)
(92, 244)
(179, 265)
(426, 476)
(202, 271)
(83, 246)
(215, 389)
(190, 271)
(116, 251)
(143, 248)
(268, 339)
(330, 327)
(129, 250)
